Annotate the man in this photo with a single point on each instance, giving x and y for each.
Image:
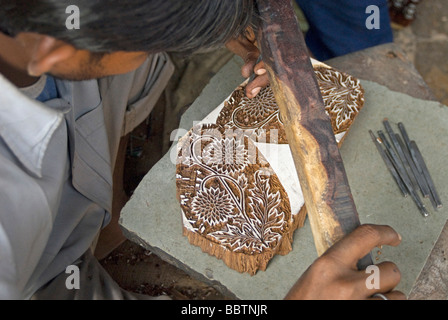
(66, 99)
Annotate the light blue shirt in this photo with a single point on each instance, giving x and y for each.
(45, 222)
(56, 163)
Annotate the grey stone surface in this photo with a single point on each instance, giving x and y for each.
(152, 216)
(377, 197)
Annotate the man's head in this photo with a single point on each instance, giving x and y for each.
(116, 36)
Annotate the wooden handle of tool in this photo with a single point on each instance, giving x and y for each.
(328, 199)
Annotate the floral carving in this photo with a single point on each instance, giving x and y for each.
(263, 228)
(259, 116)
(342, 94)
(233, 204)
(225, 155)
(256, 112)
(241, 207)
(212, 206)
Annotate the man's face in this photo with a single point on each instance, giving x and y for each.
(85, 65)
(44, 54)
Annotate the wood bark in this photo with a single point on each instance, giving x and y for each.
(328, 199)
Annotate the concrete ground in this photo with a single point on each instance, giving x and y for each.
(425, 43)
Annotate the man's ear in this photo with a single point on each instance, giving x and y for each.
(48, 52)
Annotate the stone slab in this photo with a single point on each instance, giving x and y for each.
(152, 216)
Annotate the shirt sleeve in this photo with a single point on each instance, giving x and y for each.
(25, 226)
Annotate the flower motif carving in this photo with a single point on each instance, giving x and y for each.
(226, 198)
(212, 206)
(226, 155)
(254, 112)
(342, 94)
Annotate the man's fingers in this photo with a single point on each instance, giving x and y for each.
(255, 86)
(249, 64)
(361, 241)
(259, 69)
(247, 51)
(389, 276)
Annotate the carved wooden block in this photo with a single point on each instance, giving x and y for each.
(343, 96)
(234, 205)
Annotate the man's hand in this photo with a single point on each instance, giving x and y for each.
(334, 275)
(245, 47)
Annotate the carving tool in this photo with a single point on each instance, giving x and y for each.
(395, 160)
(419, 178)
(331, 210)
(389, 164)
(402, 172)
(425, 188)
(416, 153)
(252, 77)
(400, 153)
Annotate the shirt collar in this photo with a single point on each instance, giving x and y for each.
(26, 126)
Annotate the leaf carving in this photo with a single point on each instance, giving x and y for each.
(259, 229)
(341, 94)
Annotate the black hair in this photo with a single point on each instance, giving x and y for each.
(132, 25)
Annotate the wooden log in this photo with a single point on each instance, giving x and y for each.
(328, 199)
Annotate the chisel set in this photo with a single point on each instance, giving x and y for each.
(406, 165)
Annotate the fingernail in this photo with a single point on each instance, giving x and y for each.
(31, 69)
(260, 71)
(255, 91)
